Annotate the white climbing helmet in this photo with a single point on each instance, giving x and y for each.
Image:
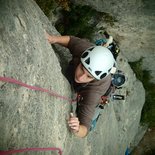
(98, 61)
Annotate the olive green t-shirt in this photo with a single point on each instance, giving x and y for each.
(90, 92)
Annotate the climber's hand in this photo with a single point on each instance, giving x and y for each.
(51, 39)
(74, 123)
(57, 39)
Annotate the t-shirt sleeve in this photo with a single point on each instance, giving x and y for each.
(86, 107)
(77, 46)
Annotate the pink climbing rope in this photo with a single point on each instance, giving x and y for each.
(52, 93)
(30, 149)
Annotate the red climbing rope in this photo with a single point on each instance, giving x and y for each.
(30, 149)
(52, 93)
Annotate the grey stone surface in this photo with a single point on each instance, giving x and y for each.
(35, 119)
(29, 118)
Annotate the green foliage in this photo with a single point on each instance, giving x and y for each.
(45, 5)
(75, 20)
(48, 5)
(148, 112)
(109, 19)
(79, 21)
(64, 4)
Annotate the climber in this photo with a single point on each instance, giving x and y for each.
(90, 73)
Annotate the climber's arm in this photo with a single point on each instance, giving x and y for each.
(62, 40)
(82, 131)
(75, 126)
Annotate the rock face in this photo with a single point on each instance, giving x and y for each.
(29, 118)
(148, 139)
(35, 119)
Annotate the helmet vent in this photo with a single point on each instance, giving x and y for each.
(97, 72)
(87, 61)
(84, 54)
(103, 75)
(109, 70)
(91, 49)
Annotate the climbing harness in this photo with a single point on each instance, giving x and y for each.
(30, 149)
(117, 81)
